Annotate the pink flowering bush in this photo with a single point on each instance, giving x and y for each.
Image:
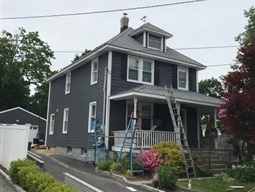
(150, 160)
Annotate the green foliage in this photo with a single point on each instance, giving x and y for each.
(26, 174)
(128, 174)
(15, 167)
(211, 87)
(25, 60)
(105, 165)
(245, 37)
(224, 177)
(59, 187)
(116, 167)
(171, 155)
(77, 56)
(242, 173)
(201, 171)
(167, 176)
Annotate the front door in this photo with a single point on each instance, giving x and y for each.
(146, 110)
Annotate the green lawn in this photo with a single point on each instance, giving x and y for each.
(216, 185)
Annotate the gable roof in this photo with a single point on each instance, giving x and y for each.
(153, 91)
(126, 43)
(151, 28)
(20, 108)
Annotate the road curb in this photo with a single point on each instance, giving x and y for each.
(8, 179)
(119, 177)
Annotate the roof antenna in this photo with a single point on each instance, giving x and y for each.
(144, 19)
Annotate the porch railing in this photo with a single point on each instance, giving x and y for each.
(149, 138)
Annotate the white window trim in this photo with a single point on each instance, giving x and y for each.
(92, 72)
(183, 69)
(140, 70)
(68, 91)
(148, 42)
(51, 128)
(90, 110)
(65, 119)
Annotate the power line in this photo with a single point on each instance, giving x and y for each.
(103, 11)
(224, 64)
(187, 48)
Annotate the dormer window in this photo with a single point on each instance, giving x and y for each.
(154, 42)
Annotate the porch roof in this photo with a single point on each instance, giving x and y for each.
(155, 92)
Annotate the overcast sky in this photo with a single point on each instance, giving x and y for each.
(203, 24)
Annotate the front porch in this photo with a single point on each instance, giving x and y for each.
(148, 138)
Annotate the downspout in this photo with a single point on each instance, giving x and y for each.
(104, 92)
(47, 121)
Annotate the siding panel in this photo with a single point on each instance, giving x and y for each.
(192, 80)
(82, 93)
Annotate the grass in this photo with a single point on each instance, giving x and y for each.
(216, 185)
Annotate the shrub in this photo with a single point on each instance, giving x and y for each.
(201, 171)
(105, 165)
(59, 187)
(150, 160)
(242, 173)
(14, 169)
(167, 177)
(23, 173)
(171, 155)
(116, 168)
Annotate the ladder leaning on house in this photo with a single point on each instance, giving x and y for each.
(132, 140)
(96, 143)
(181, 134)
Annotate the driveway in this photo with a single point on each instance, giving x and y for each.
(5, 186)
(57, 165)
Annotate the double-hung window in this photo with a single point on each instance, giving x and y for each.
(92, 116)
(68, 83)
(52, 123)
(65, 120)
(154, 42)
(94, 71)
(140, 70)
(183, 78)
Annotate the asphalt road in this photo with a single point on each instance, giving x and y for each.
(57, 165)
(5, 186)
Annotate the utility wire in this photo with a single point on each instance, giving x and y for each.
(187, 48)
(103, 11)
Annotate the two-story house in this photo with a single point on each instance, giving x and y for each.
(124, 74)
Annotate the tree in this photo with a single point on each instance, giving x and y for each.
(211, 87)
(24, 60)
(239, 121)
(77, 56)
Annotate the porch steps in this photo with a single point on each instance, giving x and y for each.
(133, 141)
(174, 110)
(215, 164)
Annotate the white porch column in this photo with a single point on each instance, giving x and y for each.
(135, 106)
(215, 118)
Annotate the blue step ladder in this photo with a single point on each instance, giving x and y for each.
(96, 143)
(132, 140)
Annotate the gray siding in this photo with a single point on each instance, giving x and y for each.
(23, 117)
(192, 80)
(139, 38)
(165, 74)
(119, 74)
(192, 127)
(82, 93)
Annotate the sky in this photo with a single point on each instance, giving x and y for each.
(210, 23)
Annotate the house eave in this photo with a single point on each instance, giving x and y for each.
(78, 63)
(108, 47)
(150, 56)
(160, 97)
(15, 108)
(151, 31)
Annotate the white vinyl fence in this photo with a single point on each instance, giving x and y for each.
(13, 143)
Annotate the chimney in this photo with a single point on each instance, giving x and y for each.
(124, 22)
